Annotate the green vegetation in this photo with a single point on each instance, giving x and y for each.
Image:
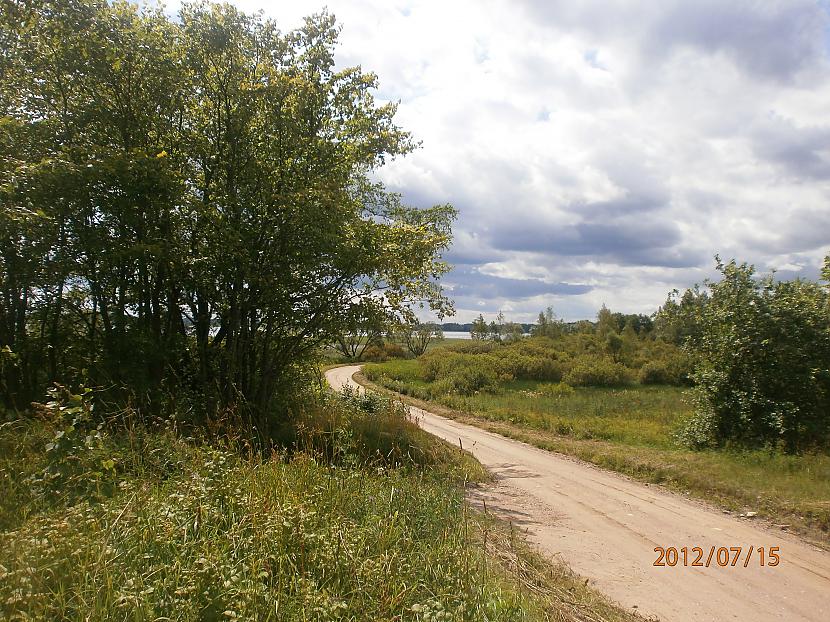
(187, 207)
(633, 415)
(763, 377)
(635, 431)
(187, 215)
(711, 417)
(362, 518)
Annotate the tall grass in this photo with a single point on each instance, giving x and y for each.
(362, 519)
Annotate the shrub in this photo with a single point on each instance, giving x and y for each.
(467, 381)
(654, 372)
(80, 460)
(560, 389)
(376, 354)
(530, 366)
(463, 374)
(393, 350)
(764, 351)
(379, 353)
(597, 371)
(473, 346)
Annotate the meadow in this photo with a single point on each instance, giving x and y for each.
(634, 429)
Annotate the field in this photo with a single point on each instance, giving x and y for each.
(364, 520)
(633, 430)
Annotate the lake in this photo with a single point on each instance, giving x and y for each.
(456, 334)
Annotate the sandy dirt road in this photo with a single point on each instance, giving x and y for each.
(606, 526)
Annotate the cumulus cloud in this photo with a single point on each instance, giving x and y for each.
(602, 151)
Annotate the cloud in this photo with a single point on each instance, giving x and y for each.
(602, 151)
(472, 283)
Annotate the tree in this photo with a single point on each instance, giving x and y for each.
(189, 204)
(763, 375)
(606, 322)
(679, 319)
(548, 325)
(479, 329)
(365, 327)
(512, 332)
(418, 336)
(613, 344)
(496, 329)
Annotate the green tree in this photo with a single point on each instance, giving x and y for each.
(679, 319)
(188, 204)
(512, 332)
(418, 336)
(606, 322)
(763, 374)
(479, 328)
(548, 325)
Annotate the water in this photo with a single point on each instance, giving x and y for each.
(456, 334)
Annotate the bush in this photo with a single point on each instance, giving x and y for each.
(463, 374)
(530, 366)
(375, 354)
(467, 381)
(597, 371)
(764, 351)
(560, 389)
(80, 460)
(473, 346)
(383, 352)
(654, 372)
(393, 350)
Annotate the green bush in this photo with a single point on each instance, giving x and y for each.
(560, 389)
(530, 366)
(597, 371)
(467, 381)
(393, 350)
(473, 346)
(379, 353)
(463, 374)
(764, 373)
(655, 372)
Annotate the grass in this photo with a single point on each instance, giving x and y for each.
(364, 519)
(633, 431)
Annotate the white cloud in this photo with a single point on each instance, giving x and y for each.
(604, 143)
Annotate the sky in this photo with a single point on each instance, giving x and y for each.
(602, 151)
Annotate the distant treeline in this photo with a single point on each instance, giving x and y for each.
(640, 322)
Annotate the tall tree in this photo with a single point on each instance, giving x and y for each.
(190, 203)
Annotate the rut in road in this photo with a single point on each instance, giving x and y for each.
(605, 527)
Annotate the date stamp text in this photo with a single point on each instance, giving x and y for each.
(721, 556)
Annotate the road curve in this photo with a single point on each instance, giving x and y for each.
(606, 527)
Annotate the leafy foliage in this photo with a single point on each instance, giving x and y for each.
(187, 205)
(764, 371)
(78, 461)
(597, 371)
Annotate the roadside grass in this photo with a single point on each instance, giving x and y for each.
(364, 519)
(633, 431)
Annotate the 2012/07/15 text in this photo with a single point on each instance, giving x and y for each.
(733, 556)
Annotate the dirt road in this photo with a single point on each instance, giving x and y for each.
(606, 526)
